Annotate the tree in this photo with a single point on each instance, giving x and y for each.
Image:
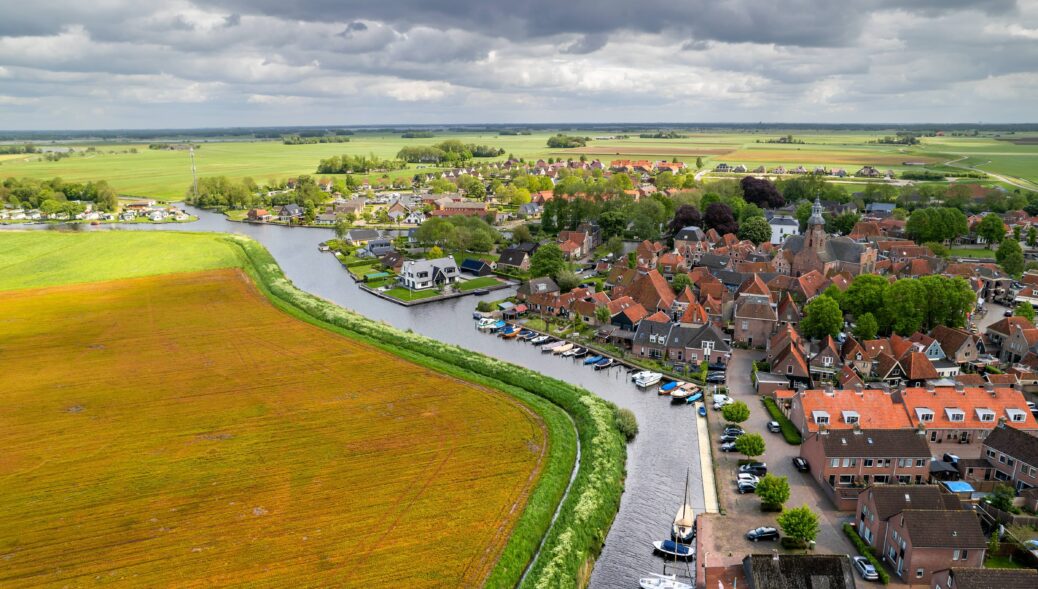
(843, 223)
(822, 317)
(521, 234)
(699, 163)
(750, 445)
(905, 306)
(773, 491)
(614, 245)
(434, 252)
(567, 281)
(719, 217)
(685, 216)
(991, 229)
(761, 192)
(1024, 310)
(936, 224)
(602, 314)
(547, 261)
(1016, 232)
(1010, 256)
(613, 223)
(866, 327)
(680, 282)
(342, 227)
(1032, 236)
(755, 229)
(736, 412)
(1001, 497)
(939, 249)
(866, 294)
(799, 523)
(436, 231)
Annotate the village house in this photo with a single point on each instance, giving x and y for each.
(513, 260)
(920, 542)
(1013, 456)
(958, 346)
(980, 578)
(290, 212)
(844, 462)
(958, 419)
(815, 410)
(361, 237)
(543, 285)
(754, 319)
(782, 226)
(259, 215)
(423, 274)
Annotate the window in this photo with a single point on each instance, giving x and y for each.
(745, 325)
(919, 573)
(919, 463)
(846, 479)
(955, 555)
(904, 479)
(789, 369)
(991, 454)
(965, 554)
(835, 463)
(827, 361)
(868, 463)
(1002, 458)
(850, 417)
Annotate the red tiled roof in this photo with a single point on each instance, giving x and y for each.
(968, 401)
(875, 408)
(971, 379)
(918, 367)
(658, 317)
(874, 347)
(652, 291)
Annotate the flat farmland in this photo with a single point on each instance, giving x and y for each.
(178, 430)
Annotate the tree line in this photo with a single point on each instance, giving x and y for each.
(56, 195)
(450, 152)
(357, 164)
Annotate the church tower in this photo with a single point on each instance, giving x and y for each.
(816, 228)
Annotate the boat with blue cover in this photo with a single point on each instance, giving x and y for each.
(592, 360)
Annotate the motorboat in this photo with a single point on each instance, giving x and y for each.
(498, 326)
(658, 581)
(670, 387)
(486, 323)
(647, 379)
(604, 363)
(562, 349)
(674, 549)
(579, 352)
(696, 396)
(684, 391)
(592, 360)
(570, 352)
(526, 334)
(540, 339)
(636, 374)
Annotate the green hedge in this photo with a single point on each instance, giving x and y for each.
(789, 431)
(863, 549)
(585, 516)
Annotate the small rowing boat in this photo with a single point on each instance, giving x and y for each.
(592, 360)
(603, 363)
(562, 349)
(539, 340)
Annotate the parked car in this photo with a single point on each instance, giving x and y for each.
(728, 447)
(746, 487)
(719, 367)
(734, 430)
(1008, 313)
(865, 568)
(762, 533)
(745, 476)
(725, 438)
(715, 377)
(758, 468)
(774, 427)
(801, 464)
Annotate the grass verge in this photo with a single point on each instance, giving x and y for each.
(588, 511)
(789, 431)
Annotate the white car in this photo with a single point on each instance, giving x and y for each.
(749, 478)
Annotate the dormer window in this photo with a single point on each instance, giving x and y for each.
(652, 338)
(985, 414)
(820, 417)
(850, 417)
(827, 361)
(955, 414)
(923, 414)
(1016, 415)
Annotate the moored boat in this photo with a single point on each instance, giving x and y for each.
(647, 379)
(674, 549)
(603, 363)
(550, 345)
(579, 352)
(539, 339)
(525, 334)
(684, 528)
(635, 373)
(511, 331)
(658, 581)
(669, 388)
(702, 410)
(694, 397)
(683, 391)
(486, 323)
(592, 360)
(562, 349)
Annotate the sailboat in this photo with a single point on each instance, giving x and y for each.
(684, 529)
(658, 581)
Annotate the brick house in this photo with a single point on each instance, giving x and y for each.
(844, 462)
(879, 503)
(826, 361)
(815, 410)
(920, 542)
(1021, 340)
(978, 578)
(754, 319)
(1001, 330)
(1013, 456)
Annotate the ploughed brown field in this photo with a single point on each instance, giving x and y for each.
(179, 430)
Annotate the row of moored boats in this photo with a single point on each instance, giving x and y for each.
(548, 344)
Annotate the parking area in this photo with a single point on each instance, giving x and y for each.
(726, 542)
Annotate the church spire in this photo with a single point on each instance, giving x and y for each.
(816, 214)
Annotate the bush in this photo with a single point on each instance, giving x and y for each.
(626, 423)
(792, 543)
(588, 510)
(484, 306)
(864, 550)
(789, 431)
(736, 412)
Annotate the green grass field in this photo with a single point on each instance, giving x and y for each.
(167, 174)
(27, 260)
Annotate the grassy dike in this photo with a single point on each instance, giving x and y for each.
(572, 544)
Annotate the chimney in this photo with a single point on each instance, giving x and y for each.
(930, 388)
(859, 390)
(990, 388)
(960, 388)
(829, 390)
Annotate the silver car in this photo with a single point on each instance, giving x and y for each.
(865, 568)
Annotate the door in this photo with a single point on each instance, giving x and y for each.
(964, 438)
(933, 436)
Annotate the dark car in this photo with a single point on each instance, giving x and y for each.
(801, 464)
(1008, 313)
(716, 367)
(715, 377)
(734, 430)
(762, 533)
(758, 468)
(725, 438)
(746, 487)
(774, 427)
(728, 447)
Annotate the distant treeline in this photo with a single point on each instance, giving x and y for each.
(300, 140)
(662, 135)
(418, 135)
(451, 151)
(15, 149)
(513, 132)
(55, 196)
(357, 164)
(927, 175)
(560, 141)
(222, 192)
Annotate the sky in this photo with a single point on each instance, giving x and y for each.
(225, 63)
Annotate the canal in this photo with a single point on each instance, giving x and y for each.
(657, 460)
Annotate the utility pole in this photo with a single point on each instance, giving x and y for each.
(194, 174)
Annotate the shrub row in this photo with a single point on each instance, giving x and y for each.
(864, 550)
(594, 498)
(789, 431)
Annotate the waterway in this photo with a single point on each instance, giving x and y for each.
(657, 460)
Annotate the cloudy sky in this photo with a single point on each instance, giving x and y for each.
(190, 63)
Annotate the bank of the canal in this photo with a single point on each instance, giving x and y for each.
(668, 440)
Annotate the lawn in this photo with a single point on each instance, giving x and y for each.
(1001, 562)
(146, 444)
(34, 259)
(481, 282)
(411, 295)
(968, 252)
